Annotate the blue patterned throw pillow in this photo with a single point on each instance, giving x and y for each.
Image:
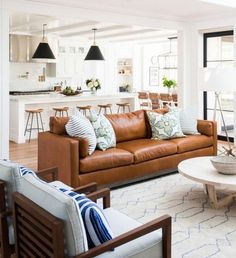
(96, 226)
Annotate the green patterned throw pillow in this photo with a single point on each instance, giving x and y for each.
(165, 126)
(104, 132)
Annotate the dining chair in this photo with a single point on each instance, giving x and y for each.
(144, 101)
(165, 99)
(155, 100)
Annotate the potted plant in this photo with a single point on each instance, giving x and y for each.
(168, 83)
(93, 85)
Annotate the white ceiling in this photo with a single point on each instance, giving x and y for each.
(21, 23)
(179, 10)
(175, 10)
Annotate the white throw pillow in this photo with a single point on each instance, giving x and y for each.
(79, 126)
(188, 119)
(165, 126)
(104, 132)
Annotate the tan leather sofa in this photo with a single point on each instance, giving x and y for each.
(135, 157)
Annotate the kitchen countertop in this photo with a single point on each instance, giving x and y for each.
(57, 97)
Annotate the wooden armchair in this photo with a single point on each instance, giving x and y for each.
(7, 187)
(9, 184)
(47, 232)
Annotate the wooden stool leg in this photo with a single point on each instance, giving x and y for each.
(129, 108)
(31, 125)
(67, 113)
(123, 109)
(100, 109)
(55, 113)
(41, 121)
(27, 124)
(118, 110)
(110, 110)
(37, 119)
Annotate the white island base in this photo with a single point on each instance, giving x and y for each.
(18, 105)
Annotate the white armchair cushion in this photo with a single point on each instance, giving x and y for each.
(9, 173)
(147, 246)
(59, 205)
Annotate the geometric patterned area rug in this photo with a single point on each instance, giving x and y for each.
(197, 230)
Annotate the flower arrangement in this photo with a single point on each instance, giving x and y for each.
(93, 84)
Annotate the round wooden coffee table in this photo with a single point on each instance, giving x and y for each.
(201, 170)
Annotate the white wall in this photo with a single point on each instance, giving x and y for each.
(4, 81)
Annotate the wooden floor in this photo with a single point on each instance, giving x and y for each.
(25, 153)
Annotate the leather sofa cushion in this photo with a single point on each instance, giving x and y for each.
(109, 158)
(148, 149)
(57, 124)
(128, 126)
(192, 142)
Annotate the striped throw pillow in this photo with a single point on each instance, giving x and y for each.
(96, 226)
(80, 126)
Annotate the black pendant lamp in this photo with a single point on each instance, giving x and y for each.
(43, 50)
(94, 52)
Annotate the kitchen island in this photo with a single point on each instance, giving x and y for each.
(18, 105)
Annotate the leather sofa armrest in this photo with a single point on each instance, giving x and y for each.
(62, 152)
(208, 128)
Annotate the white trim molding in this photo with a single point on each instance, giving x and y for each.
(4, 81)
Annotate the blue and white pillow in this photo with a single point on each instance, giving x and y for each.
(80, 126)
(96, 226)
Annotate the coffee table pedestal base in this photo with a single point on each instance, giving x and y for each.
(214, 201)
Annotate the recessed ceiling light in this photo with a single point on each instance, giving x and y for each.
(228, 3)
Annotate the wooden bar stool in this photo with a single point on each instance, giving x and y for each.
(123, 106)
(105, 108)
(84, 109)
(61, 111)
(37, 113)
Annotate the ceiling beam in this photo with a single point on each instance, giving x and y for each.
(160, 34)
(69, 27)
(22, 26)
(128, 33)
(89, 32)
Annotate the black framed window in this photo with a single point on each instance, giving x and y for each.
(219, 51)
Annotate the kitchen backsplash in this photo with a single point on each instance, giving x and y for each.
(32, 76)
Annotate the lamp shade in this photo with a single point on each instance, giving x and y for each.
(217, 79)
(94, 53)
(43, 51)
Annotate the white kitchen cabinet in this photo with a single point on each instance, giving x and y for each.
(69, 64)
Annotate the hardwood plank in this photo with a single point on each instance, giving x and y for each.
(25, 153)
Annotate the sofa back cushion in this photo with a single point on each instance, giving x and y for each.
(57, 124)
(128, 126)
